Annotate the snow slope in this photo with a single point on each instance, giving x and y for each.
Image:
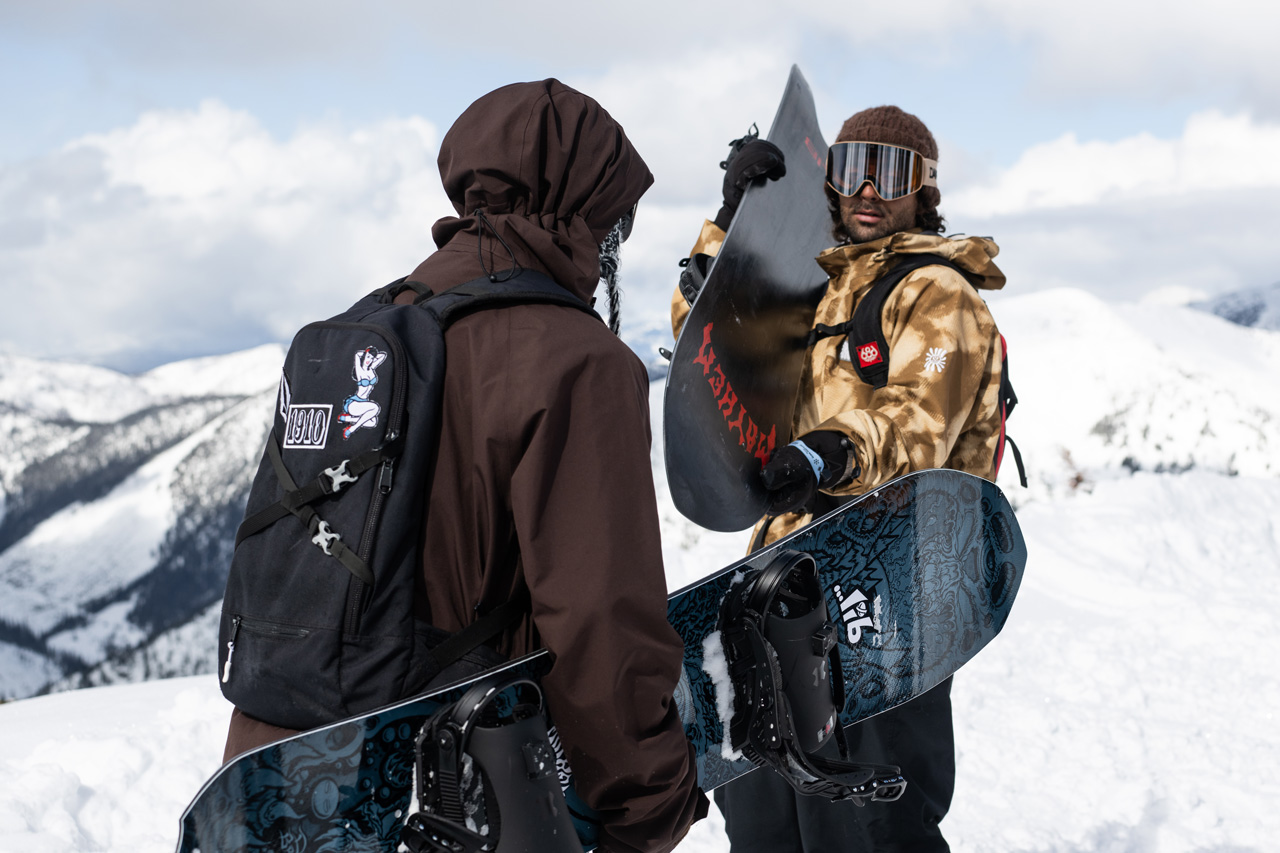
(111, 491)
(1129, 704)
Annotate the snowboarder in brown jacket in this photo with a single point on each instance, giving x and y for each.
(543, 484)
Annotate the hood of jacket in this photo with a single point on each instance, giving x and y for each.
(550, 170)
(972, 254)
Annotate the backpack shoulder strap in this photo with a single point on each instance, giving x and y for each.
(525, 287)
(868, 349)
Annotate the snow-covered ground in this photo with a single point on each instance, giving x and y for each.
(1129, 705)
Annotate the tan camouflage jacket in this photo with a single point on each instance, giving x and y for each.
(940, 406)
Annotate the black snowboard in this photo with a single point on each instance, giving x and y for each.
(731, 388)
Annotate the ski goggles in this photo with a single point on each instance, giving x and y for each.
(893, 172)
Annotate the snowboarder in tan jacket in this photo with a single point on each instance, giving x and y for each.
(938, 409)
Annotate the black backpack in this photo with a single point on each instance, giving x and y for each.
(317, 621)
(869, 351)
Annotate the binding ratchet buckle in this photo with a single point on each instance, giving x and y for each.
(788, 687)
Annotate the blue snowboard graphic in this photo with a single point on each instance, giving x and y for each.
(919, 575)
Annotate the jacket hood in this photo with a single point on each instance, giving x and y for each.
(972, 254)
(551, 171)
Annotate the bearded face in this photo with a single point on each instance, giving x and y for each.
(868, 217)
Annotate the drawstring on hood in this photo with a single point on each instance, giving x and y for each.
(515, 269)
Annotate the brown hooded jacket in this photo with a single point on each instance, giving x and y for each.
(543, 479)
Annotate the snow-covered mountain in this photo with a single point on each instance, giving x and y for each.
(1257, 307)
(119, 495)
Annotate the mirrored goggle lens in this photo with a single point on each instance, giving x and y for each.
(892, 171)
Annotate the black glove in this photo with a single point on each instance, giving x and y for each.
(749, 158)
(790, 476)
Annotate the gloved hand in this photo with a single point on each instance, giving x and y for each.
(819, 459)
(750, 158)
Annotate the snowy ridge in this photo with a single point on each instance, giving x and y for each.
(181, 651)
(1106, 390)
(114, 530)
(1259, 308)
(56, 391)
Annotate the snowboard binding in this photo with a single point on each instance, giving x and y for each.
(485, 777)
(784, 663)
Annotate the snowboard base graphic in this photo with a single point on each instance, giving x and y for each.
(919, 575)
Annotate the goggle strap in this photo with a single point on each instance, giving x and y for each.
(930, 172)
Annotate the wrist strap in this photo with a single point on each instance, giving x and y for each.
(815, 461)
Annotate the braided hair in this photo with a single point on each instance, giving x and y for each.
(610, 250)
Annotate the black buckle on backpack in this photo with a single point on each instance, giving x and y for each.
(777, 636)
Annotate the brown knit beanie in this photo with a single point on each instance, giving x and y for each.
(891, 126)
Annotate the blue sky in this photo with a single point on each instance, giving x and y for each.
(181, 180)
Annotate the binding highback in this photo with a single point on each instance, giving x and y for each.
(788, 684)
(485, 777)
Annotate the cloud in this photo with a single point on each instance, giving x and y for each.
(1140, 215)
(1216, 152)
(682, 114)
(1086, 47)
(1201, 244)
(195, 231)
(198, 231)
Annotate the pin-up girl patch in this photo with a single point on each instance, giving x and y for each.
(359, 410)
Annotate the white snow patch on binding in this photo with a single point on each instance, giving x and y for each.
(716, 666)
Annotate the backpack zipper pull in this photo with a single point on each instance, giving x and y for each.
(231, 649)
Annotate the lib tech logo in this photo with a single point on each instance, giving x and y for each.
(750, 435)
(855, 610)
(869, 354)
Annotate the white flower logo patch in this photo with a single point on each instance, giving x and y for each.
(935, 360)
